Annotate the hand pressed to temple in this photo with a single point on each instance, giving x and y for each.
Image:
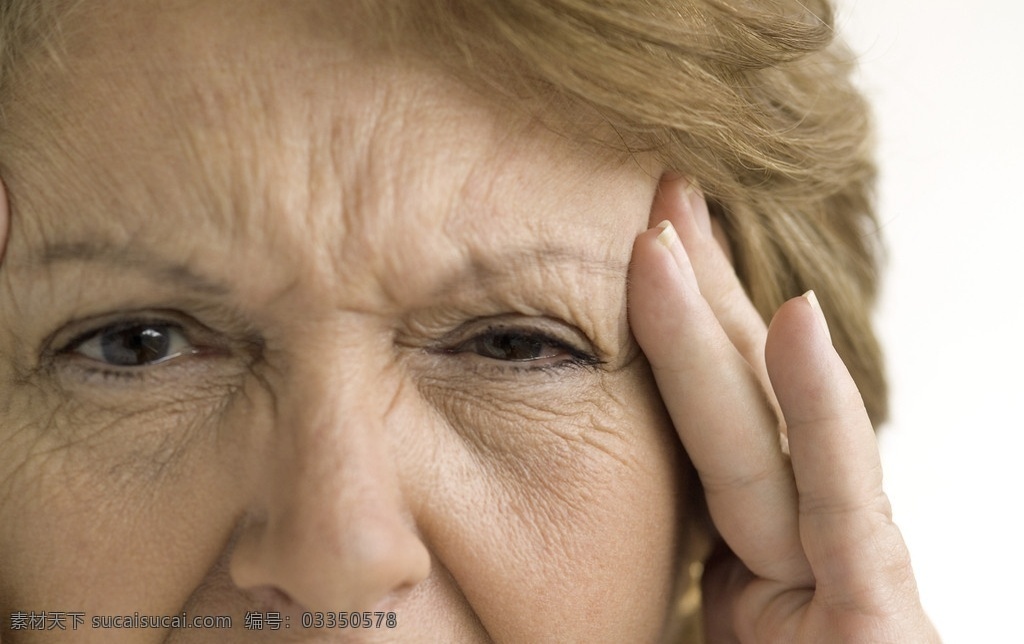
(809, 551)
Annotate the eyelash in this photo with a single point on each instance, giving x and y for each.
(576, 358)
(90, 368)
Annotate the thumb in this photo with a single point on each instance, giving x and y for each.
(723, 581)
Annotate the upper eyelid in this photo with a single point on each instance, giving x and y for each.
(533, 333)
(542, 326)
(577, 356)
(115, 327)
(65, 341)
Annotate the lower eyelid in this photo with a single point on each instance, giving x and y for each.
(71, 364)
(80, 369)
(479, 367)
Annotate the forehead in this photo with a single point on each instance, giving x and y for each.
(273, 127)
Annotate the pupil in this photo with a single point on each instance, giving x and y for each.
(136, 346)
(510, 346)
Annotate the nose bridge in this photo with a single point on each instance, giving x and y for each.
(335, 528)
(333, 435)
(337, 390)
(334, 410)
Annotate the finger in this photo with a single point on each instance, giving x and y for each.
(722, 584)
(719, 408)
(680, 201)
(857, 554)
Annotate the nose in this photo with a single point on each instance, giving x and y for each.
(330, 527)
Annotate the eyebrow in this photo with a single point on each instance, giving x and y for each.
(494, 268)
(130, 258)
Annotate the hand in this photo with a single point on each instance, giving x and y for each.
(809, 552)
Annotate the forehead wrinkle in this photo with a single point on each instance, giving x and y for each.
(241, 153)
(261, 162)
(217, 117)
(172, 170)
(509, 265)
(231, 172)
(452, 163)
(401, 175)
(556, 281)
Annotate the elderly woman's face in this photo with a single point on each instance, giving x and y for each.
(287, 327)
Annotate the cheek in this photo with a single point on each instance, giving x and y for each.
(98, 499)
(567, 505)
(560, 499)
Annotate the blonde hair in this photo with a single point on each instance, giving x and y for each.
(26, 26)
(753, 98)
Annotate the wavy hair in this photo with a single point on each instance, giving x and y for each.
(752, 98)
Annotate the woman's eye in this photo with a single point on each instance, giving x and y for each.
(134, 345)
(516, 346)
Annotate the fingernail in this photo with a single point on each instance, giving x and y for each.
(784, 443)
(668, 235)
(812, 299)
(669, 239)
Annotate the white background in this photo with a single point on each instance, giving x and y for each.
(947, 81)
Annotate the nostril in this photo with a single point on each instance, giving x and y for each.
(271, 599)
(376, 565)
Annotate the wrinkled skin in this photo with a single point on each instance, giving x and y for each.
(298, 327)
(342, 249)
